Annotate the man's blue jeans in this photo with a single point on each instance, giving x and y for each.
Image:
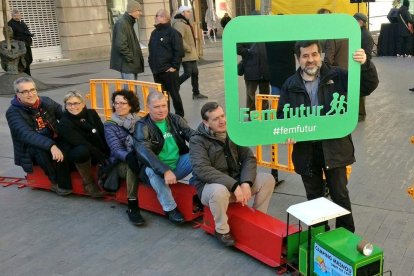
(129, 76)
(275, 90)
(163, 190)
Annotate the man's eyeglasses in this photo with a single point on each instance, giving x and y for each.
(75, 104)
(27, 92)
(120, 103)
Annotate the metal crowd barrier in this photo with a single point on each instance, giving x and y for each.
(100, 91)
(274, 163)
(410, 189)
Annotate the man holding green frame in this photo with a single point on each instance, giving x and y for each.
(324, 88)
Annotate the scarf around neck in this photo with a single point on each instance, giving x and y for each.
(127, 122)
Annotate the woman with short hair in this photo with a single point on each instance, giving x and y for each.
(118, 134)
(84, 142)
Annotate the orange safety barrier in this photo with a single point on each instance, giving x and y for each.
(273, 102)
(410, 189)
(100, 91)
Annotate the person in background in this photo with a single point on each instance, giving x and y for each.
(211, 21)
(256, 70)
(182, 24)
(367, 43)
(119, 132)
(33, 125)
(282, 64)
(22, 33)
(226, 19)
(82, 132)
(323, 11)
(405, 30)
(160, 141)
(165, 53)
(224, 172)
(126, 54)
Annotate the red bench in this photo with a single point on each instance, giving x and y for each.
(257, 234)
(183, 194)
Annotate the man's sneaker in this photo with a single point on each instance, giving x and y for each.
(411, 89)
(63, 192)
(53, 188)
(175, 216)
(225, 239)
(199, 96)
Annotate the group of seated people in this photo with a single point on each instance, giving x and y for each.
(153, 149)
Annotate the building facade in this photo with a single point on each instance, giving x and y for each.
(81, 29)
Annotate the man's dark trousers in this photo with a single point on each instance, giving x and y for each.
(191, 70)
(57, 172)
(170, 83)
(336, 181)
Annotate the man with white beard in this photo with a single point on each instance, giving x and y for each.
(316, 84)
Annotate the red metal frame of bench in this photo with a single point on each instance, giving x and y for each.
(183, 194)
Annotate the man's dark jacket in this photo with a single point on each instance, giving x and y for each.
(216, 162)
(281, 61)
(149, 140)
(367, 43)
(402, 26)
(21, 32)
(337, 152)
(254, 58)
(126, 54)
(165, 49)
(23, 129)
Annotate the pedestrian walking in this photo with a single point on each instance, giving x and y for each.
(182, 24)
(126, 54)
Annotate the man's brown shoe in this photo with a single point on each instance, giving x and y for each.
(225, 239)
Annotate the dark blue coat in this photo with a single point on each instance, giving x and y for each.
(115, 137)
(23, 129)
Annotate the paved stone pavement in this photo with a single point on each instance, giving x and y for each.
(43, 234)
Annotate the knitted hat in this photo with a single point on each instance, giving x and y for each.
(361, 16)
(133, 6)
(184, 8)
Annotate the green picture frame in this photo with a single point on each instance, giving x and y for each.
(255, 29)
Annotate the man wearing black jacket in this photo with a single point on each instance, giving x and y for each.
(367, 43)
(126, 54)
(33, 125)
(165, 53)
(405, 35)
(21, 32)
(160, 142)
(314, 85)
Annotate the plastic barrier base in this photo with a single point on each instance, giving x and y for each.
(185, 195)
(257, 234)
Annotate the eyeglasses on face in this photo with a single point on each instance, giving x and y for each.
(75, 104)
(120, 103)
(27, 92)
